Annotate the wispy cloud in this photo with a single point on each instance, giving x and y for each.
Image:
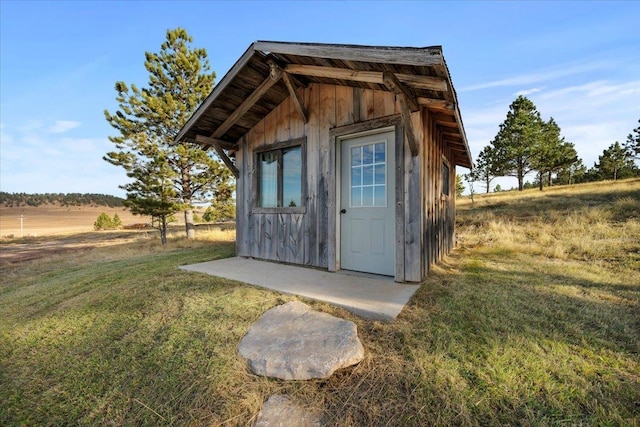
(542, 76)
(61, 126)
(36, 159)
(528, 92)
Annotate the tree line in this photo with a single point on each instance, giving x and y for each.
(526, 143)
(63, 199)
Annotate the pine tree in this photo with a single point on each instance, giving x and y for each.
(518, 140)
(153, 194)
(632, 146)
(552, 154)
(614, 163)
(148, 119)
(117, 222)
(485, 169)
(459, 186)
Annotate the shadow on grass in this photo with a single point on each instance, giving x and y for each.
(547, 205)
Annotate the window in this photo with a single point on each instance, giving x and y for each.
(445, 179)
(368, 175)
(280, 177)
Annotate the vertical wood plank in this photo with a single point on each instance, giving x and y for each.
(400, 198)
(332, 241)
(270, 123)
(312, 129)
(383, 103)
(327, 121)
(412, 241)
(357, 94)
(281, 252)
(295, 243)
(283, 115)
(296, 122)
(242, 201)
(344, 105)
(366, 105)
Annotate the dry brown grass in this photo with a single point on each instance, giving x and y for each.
(525, 324)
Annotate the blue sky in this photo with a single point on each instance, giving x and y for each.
(577, 61)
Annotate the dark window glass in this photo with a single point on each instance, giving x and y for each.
(445, 179)
(280, 178)
(291, 177)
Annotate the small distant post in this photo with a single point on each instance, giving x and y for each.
(21, 226)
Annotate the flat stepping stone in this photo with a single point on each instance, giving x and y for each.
(294, 342)
(280, 411)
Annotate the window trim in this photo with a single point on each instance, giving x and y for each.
(279, 146)
(445, 163)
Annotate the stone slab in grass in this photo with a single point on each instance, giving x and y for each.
(294, 342)
(280, 411)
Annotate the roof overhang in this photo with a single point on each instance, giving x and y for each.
(268, 72)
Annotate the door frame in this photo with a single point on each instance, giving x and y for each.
(337, 135)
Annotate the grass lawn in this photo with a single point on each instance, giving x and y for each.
(534, 320)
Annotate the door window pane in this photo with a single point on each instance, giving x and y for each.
(356, 196)
(367, 195)
(356, 156)
(380, 152)
(380, 196)
(369, 175)
(356, 176)
(367, 154)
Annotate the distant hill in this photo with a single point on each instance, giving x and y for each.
(68, 199)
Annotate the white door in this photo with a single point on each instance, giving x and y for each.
(367, 204)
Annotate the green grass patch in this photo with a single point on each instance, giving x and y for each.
(522, 325)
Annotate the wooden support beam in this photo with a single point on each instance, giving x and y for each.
(448, 125)
(274, 77)
(444, 118)
(207, 140)
(440, 104)
(393, 84)
(417, 81)
(405, 115)
(227, 161)
(294, 96)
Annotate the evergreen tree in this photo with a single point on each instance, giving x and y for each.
(632, 146)
(153, 194)
(486, 168)
(574, 173)
(117, 222)
(518, 140)
(459, 186)
(552, 154)
(220, 211)
(103, 222)
(148, 119)
(614, 163)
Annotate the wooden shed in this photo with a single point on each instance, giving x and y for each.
(344, 155)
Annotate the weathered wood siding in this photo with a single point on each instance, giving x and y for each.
(438, 209)
(304, 238)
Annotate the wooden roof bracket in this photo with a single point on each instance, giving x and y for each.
(274, 77)
(217, 145)
(408, 104)
(288, 81)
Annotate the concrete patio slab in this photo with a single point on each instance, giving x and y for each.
(371, 297)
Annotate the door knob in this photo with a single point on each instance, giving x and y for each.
(343, 211)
